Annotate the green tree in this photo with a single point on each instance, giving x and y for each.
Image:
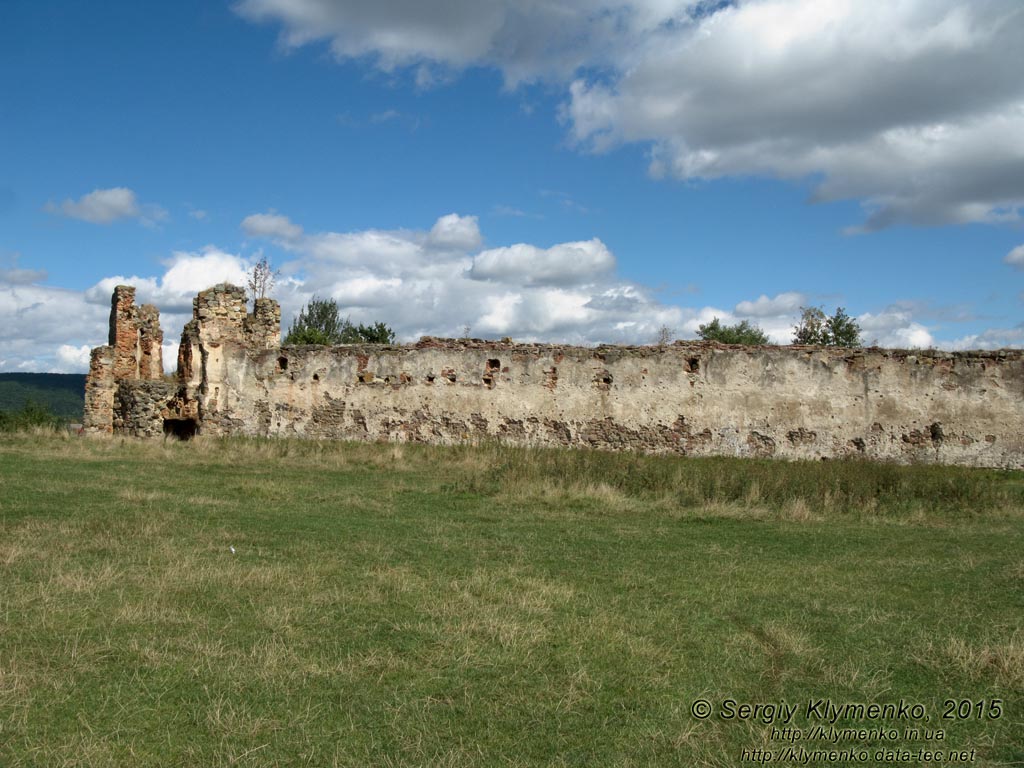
(811, 328)
(741, 333)
(841, 330)
(378, 333)
(320, 322)
(815, 327)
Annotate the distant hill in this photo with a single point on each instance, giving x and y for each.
(62, 393)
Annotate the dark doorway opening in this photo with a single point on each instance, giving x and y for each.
(182, 429)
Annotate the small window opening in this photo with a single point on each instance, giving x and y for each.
(490, 373)
(282, 364)
(182, 429)
(693, 364)
(316, 377)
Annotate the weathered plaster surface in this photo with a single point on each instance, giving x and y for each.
(686, 398)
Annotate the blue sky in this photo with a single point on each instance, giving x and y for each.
(560, 171)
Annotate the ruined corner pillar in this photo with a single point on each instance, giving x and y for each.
(98, 415)
(134, 352)
(220, 331)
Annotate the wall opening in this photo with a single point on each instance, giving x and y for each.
(182, 429)
(282, 364)
(491, 373)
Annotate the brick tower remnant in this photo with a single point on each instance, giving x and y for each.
(134, 352)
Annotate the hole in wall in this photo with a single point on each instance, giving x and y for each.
(316, 377)
(693, 364)
(282, 364)
(182, 429)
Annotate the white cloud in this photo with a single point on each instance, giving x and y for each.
(42, 328)
(561, 264)
(430, 282)
(894, 328)
(910, 107)
(457, 232)
(993, 338)
(915, 108)
(103, 206)
(787, 303)
(1015, 258)
(15, 276)
(526, 40)
(187, 273)
(271, 225)
(71, 359)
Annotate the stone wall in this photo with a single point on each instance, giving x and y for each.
(686, 398)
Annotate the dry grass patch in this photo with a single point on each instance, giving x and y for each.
(1001, 662)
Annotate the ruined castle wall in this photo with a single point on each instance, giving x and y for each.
(687, 398)
(694, 399)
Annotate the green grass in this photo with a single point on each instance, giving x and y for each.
(396, 605)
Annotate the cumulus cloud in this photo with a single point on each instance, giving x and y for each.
(70, 359)
(456, 232)
(894, 328)
(271, 225)
(911, 107)
(436, 281)
(103, 206)
(783, 304)
(527, 41)
(187, 273)
(1015, 258)
(43, 328)
(992, 338)
(915, 108)
(15, 276)
(426, 282)
(561, 264)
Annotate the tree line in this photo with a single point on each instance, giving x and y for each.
(814, 327)
(320, 322)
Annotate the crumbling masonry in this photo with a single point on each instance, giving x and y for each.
(687, 398)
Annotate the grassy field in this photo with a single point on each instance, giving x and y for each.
(266, 603)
